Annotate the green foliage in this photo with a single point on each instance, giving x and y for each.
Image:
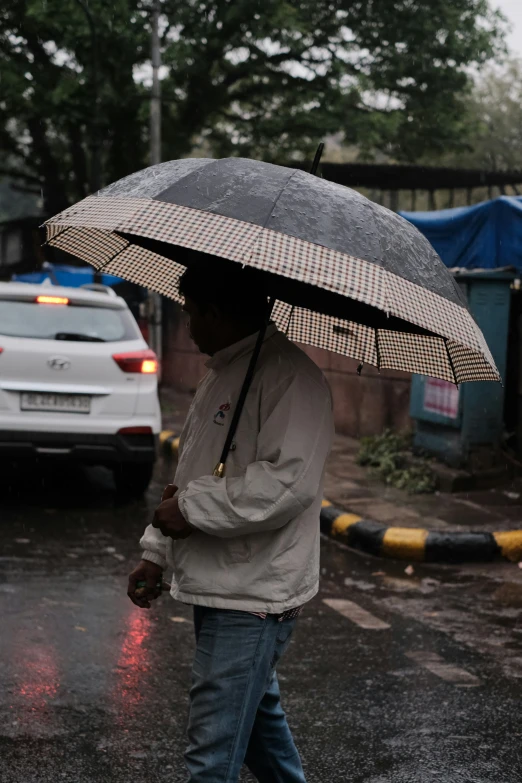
(494, 116)
(264, 78)
(386, 456)
(68, 94)
(267, 77)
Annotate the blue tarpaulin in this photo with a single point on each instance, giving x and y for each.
(70, 276)
(485, 236)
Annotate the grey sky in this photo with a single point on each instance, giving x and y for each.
(512, 9)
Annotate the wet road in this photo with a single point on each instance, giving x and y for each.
(391, 678)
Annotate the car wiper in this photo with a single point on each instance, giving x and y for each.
(76, 336)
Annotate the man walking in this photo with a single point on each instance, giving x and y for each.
(244, 549)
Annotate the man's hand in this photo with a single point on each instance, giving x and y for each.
(168, 518)
(151, 574)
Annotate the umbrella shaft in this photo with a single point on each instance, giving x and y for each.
(244, 389)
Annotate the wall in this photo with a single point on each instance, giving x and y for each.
(363, 405)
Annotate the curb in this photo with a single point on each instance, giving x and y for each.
(405, 543)
(169, 443)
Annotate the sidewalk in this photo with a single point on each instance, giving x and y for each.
(350, 487)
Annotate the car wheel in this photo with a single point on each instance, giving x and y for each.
(131, 478)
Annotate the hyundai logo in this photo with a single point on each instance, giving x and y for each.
(59, 363)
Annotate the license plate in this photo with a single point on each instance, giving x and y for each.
(60, 403)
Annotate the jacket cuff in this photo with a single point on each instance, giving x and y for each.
(182, 505)
(154, 558)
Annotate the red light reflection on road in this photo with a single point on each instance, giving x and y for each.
(38, 674)
(132, 664)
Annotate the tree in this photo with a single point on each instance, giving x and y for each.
(390, 73)
(266, 78)
(68, 99)
(495, 113)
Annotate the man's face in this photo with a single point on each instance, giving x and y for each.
(202, 324)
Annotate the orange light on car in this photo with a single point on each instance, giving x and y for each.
(137, 361)
(52, 300)
(149, 366)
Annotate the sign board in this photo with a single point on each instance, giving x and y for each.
(441, 397)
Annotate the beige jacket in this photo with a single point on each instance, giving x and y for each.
(256, 547)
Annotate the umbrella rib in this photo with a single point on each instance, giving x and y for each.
(59, 234)
(278, 197)
(451, 362)
(210, 162)
(111, 259)
(290, 320)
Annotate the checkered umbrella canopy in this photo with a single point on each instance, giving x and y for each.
(348, 275)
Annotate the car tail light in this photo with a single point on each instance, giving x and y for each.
(135, 431)
(52, 300)
(137, 361)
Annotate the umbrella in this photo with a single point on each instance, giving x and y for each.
(345, 274)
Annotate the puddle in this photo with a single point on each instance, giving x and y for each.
(359, 584)
(397, 584)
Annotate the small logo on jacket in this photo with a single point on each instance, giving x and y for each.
(220, 415)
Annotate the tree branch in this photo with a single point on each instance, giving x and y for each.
(21, 189)
(8, 171)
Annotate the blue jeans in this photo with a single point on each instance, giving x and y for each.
(235, 709)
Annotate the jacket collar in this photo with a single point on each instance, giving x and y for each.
(245, 346)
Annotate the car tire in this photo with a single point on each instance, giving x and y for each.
(132, 478)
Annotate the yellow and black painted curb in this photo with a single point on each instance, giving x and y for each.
(169, 442)
(405, 543)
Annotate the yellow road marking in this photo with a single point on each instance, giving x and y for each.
(510, 543)
(404, 543)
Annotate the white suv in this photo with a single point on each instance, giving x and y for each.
(77, 380)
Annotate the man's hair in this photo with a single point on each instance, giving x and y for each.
(234, 290)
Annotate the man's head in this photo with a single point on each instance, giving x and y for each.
(223, 301)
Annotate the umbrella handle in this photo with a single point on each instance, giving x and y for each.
(219, 470)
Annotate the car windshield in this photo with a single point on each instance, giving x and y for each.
(66, 322)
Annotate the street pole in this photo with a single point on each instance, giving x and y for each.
(95, 169)
(95, 142)
(155, 98)
(154, 300)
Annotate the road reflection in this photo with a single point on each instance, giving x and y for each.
(37, 677)
(133, 664)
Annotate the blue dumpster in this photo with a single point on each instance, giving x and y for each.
(456, 423)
